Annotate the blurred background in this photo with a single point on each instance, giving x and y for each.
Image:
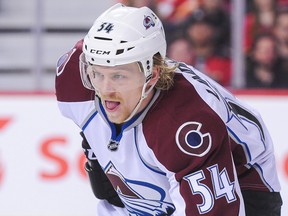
(35, 33)
(242, 44)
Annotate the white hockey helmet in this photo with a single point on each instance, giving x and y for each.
(123, 35)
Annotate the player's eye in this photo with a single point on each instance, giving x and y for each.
(118, 76)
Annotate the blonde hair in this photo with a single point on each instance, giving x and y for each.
(166, 74)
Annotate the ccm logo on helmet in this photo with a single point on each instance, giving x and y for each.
(100, 52)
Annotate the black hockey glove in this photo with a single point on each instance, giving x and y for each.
(101, 185)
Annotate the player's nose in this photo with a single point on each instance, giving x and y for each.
(107, 86)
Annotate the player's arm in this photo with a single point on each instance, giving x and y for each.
(205, 180)
(74, 100)
(211, 186)
(101, 186)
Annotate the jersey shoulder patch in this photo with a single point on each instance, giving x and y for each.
(68, 83)
(63, 60)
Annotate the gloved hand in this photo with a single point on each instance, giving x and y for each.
(101, 185)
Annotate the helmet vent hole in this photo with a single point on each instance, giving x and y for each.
(101, 38)
(119, 51)
(123, 41)
(108, 61)
(130, 48)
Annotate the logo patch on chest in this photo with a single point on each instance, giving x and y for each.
(113, 145)
(192, 141)
(139, 197)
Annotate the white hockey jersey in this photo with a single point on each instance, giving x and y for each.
(183, 153)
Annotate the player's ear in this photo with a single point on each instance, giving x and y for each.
(155, 75)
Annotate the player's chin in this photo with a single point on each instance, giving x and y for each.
(116, 119)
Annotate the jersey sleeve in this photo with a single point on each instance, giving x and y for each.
(193, 148)
(74, 100)
(252, 146)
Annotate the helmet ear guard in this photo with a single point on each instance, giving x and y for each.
(123, 35)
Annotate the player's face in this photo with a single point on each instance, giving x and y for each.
(119, 88)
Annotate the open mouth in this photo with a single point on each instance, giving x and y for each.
(111, 105)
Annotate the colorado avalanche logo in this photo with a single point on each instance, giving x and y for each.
(192, 141)
(148, 22)
(140, 198)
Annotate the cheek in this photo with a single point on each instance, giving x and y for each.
(131, 98)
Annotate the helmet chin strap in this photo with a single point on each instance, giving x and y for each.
(144, 94)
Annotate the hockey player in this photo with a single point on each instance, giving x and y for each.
(160, 137)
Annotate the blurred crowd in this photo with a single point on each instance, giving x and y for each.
(199, 33)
